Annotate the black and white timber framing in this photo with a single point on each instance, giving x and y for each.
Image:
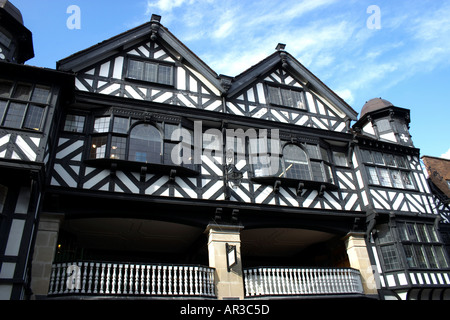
(78, 163)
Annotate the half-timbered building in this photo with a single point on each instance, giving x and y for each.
(161, 178)
(29, 107)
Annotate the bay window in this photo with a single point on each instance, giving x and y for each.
(387, 170)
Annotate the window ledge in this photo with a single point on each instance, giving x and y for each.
(298, 184)
(392, 188)
(143, 168)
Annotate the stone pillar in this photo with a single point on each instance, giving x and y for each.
(229, 284)
(359, 259)
(44, 253)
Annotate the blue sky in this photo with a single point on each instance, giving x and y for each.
(406, 60)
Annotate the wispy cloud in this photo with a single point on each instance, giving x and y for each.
(327, 36)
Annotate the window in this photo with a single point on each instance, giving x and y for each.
(145, 144)
(286, 97)
(340, 159)
(126, 138)
(421, 245)
(74, 123)
(22, 105)
(309, 162)
(150, 71)
(388, 249)
(295, 163)
(387, 170)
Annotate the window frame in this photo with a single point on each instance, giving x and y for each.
(110, 134)
(280, 88)
(426, 242)
(29, 105)
(318, 157)
(384, 166)
(144, 78)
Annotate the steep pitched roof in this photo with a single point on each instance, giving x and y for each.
(154, 30)
(293, 66)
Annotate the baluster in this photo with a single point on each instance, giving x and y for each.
(137, 273)
(142, 279)
(350, 282)
(281, 279)
(113, 280)
(342, 281)
(153, 280)
(164, 280)
(276, 281)
(327, 283)
(148, 267)
(123, 285)
(181, 281)
(259, 282)
(158, 280)
(308, 282)
(175, 280)
(84, 278)
(64, 288)
(169, 280)
(136, 280)
(90, 277)
(186, 290)
(196, 281)
(58, 278)
(264, 289)
(314, 282)
(203, 281)
(191, 280)
(131, 279)
(52, 280)
(337, 279)
(108, 278)
(96, 277)
(347, 281)
(102, 278)
(246, 282)
(119, 278)
(296, 281)
(212, 289)
(294, 284)
(319, 281)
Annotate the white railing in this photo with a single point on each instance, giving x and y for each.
(116, 279)
(301, 281)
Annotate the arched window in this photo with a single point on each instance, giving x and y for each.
(295, 163)
(145, 144)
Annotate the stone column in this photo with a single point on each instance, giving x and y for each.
(44, 253)
(359, 259)
(229, 284)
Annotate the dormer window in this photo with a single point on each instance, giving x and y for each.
(286, 97)
(150, 71)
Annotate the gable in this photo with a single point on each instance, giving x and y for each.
(280, 95)
(168, 72)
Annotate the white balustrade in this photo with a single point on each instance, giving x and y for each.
(301, 281)
(113, 279)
